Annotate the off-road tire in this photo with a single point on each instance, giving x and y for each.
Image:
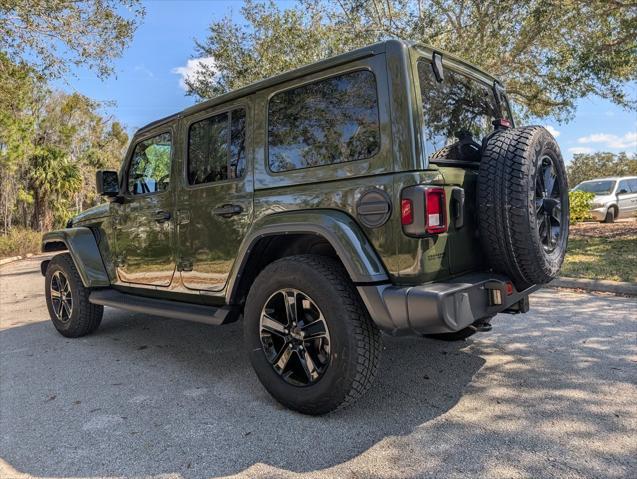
(610, 216)
(355, 339)
(85, 317)
(507, 213)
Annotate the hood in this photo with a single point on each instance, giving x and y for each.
(606, 197)
(92, 214)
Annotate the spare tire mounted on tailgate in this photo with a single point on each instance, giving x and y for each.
(523, 205)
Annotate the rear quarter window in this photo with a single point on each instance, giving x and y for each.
(325, 122)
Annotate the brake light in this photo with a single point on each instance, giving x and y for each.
(435, 210)
(501, 124)
(406, 212)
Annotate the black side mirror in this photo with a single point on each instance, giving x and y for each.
(107, 183)
(623, 191)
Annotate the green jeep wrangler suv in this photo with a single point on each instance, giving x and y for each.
(386, 189)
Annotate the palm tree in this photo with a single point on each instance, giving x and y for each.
(52, 180)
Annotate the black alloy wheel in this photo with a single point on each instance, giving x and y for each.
(295, 337)
(61, 297)
(548, 205)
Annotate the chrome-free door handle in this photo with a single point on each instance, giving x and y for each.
(227, 211)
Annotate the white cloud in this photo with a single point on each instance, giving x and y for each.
(192, 67)
(142, 68)
(580, 149)
(552, 130)
(627, 141)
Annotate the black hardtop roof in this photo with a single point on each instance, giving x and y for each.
(299, 72)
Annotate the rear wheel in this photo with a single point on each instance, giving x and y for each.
(67, 299)
(311, 341)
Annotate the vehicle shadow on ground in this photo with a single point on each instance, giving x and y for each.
(146, 396)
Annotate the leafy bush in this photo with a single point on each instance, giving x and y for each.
(19, 241)
(580, 205)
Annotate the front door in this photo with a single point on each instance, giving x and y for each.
(215, 205)
(143, 222)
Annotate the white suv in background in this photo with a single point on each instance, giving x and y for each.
(615, 197)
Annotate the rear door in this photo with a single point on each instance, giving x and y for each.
(215, 203)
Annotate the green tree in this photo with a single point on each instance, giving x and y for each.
(73, 124)
(19, 96)
(46, 135)
(51, 179)
(599, 165)
(53, 35)
(66, 136)
(548, 53)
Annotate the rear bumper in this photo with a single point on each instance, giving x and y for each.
(440, 307)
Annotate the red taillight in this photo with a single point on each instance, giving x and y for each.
(501, 123)
(509, 288)
(435, 210)
(406, 212)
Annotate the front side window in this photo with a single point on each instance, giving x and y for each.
(458, 113)
(149, 170)
(216, 148)
(623, 186)
(329, 121)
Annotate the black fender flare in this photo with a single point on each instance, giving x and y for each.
(348, 240)
(82, 246)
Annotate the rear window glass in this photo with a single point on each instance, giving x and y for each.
(458, 114)
(325, 122)
(216, 148)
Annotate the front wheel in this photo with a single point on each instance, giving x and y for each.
(67, 299)
(310, 339)
(610, 216)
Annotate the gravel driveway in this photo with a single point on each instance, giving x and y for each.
(552, 393)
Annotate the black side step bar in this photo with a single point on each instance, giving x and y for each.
(159, 307)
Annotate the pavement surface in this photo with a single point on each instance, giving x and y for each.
(552, 393)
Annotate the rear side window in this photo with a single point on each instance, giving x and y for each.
(216, 148)
(149, 170)
(458, 114)
(632, 185)
(329, 121)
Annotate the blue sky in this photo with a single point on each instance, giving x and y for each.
(147, 84)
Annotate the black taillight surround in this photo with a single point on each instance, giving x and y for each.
(416, 196)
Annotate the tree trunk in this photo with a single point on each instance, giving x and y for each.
(39, 211)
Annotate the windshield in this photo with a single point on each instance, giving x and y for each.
(602, 187)
(458, 113)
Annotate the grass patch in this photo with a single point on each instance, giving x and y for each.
(613, 259)
(19, 241)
